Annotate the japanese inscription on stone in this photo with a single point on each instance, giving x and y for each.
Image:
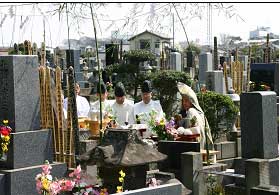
(3, 90)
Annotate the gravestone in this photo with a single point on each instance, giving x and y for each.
(215, 81)
(29, 146)
(258, 121)
(19, 92)
(205, 64)
(175, 61)
(73, 59)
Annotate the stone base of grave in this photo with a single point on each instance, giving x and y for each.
(135, 177)
(265, 190)
(173, 150)
(2, 184)
(29, 148)
(227, 149)
(21, 181)
(233, 189)
(173, 188)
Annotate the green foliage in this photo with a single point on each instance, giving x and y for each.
(220, 112)
(136, 56)
(165, 85)
(214, 187)
(193, 47)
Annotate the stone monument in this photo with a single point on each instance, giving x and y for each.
(30, 146)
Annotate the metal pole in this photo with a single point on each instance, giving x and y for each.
(173, 31)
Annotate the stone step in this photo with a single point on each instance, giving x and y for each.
(21, 181)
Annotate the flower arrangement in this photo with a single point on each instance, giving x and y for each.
(165, 130)
(5, 131)
(46, 185)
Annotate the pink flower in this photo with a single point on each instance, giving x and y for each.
(46, 169)
(55, 188)
(66, 185)
(76, 172)
(39, 186)
(153, 182)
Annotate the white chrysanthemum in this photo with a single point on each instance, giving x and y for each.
(49, 177)
(183, 131)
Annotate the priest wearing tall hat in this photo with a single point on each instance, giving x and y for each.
(105, 103)
(122, 108)
(146, 106)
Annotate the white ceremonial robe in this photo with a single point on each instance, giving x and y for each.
(82, 106)
(123, 112)
(141, 108)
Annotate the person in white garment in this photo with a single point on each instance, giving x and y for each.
(105, 103)
(143, 109)
(194, 121)
(82, 104)
(122, 108)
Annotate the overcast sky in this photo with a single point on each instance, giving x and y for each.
(25, 21)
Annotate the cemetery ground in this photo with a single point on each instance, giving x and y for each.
(246, 160)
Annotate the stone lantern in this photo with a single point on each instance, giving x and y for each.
(122, 149)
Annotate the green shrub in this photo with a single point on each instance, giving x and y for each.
(220, 112)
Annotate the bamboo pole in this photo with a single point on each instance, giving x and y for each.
(99, 73)
(248, 71)
(59, 101)
(42, 97)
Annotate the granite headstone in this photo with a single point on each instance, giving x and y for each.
(258, 124)
(19, 92)
(205, 64)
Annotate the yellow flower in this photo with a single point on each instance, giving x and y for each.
(6, 138)
(5, 122)
(4, 148)
(122, 173)
(121, 179)
(103, 191)
(119, 189)
(45, 184)
(162, 122)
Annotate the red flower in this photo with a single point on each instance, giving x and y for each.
(5, 131)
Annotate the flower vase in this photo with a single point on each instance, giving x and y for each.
(3, 156)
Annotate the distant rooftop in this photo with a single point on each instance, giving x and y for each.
(146, 31)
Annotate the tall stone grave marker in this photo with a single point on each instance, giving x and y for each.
(215, 81)
(205, 64)
(259, 125)
(19, 95)
(73, 59)
(30, 146)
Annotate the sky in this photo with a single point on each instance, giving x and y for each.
(25, 21)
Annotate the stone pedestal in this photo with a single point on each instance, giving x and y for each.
(191, 178)
(29, 148)
(21, 181)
